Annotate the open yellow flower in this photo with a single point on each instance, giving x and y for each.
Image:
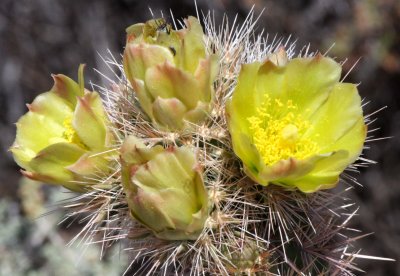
(57, 139)
(294, 124)
(171, 72)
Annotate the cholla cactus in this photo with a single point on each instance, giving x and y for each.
(219, 174)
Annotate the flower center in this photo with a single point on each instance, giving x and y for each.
(70, 134)
(278, 132)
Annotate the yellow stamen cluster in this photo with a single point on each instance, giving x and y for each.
(70, 134)
(277, 132)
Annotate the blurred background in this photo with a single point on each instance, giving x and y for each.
(41, 37)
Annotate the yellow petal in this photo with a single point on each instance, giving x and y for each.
(166, 81)
(134, 151)
(169, 113)
(89, 121)
(66, 88)
(53, 160)
(308, 81)
(244, 101)
(336, 116)
(42, 128)
(270, 80)
(139, 57)
(52, 106)
(205, 76)
(193, 48)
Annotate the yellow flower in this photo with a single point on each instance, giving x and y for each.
(164, 189)
(294, 124)
(170, 72)
(64, 127)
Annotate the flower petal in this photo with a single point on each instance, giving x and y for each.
(52, 161)
(144, 97)
(134, 152)
(336, 117)
(169, 112)
(270, 80)
(181, 217)
(134, 31)
(165, 170)
(311, 184)
(166, 81)
(51, 105)
(193, 48)
(205, 76)
(139, 57)
(346, 151)
(66, 88)
(198, 114)
(43, 128)
(308, 81)
(147, 208)
(247, 152)
(352, 141)
(88, 121)
(284, 170)
(89, 164)
(244, 100)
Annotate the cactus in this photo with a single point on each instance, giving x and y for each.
(189, 193)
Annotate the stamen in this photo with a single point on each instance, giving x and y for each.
(277, 132)
(70, 134)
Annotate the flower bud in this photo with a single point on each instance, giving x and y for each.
(248, 258)
(63, 128)
(170, 72)
(164, 189)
